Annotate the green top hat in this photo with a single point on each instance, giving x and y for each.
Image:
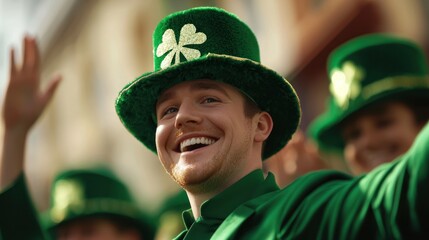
(366, 70)
(208, 43)
(94, 192)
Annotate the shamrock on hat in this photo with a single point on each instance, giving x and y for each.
(208, 43)
(94, 192)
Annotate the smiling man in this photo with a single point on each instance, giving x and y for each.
(213, 113)
(205, 140)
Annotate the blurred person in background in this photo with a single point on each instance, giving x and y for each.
(379, 100)
(94, 203)
(170, 223)
(298, 157)
(85, 204)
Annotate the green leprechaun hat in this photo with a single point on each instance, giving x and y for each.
(366, 70)
(95, 192)
(208, 43)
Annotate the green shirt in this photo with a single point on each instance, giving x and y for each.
(391, 202)
(18, 217)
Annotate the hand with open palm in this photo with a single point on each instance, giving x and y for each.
(24, 102)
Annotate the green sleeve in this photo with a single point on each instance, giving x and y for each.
(399, 192)
(390, 202)
(417, 193)
(18, 218)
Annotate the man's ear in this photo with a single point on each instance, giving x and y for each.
(264, 126)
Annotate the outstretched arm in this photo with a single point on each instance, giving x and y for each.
(23, 104)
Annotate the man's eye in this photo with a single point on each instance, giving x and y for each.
(351, 135)
(170, 110)
(384, 122)
(210, 100)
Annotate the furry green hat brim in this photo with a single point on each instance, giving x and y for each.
(221, 48)
(86, 193)
(365, 71)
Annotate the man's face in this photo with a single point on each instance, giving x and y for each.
(203, 137)
(378, 135)
(94, 229)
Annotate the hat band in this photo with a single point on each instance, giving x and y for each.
(392, 83)
(93, 206)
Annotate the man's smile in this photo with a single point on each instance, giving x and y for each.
(195, 143)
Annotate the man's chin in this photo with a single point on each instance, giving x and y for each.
(194, 184)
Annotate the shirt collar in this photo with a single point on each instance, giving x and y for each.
(220, 206)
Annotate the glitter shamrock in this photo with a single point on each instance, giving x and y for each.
(188, 36)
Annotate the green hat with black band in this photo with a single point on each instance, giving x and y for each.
(208, 43)
(367, 70)
(95, 192)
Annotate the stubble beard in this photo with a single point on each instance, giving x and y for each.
(218, 172)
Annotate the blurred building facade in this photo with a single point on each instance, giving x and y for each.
(99, 46)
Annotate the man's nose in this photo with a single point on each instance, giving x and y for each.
(369, 139)
(188, 113)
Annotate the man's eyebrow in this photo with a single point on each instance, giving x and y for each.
(163, 97)
(208, 86)
(195, 86)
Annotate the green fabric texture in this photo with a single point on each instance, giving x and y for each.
(208, 43)
(94, 192)
(390, 202)
(367, 70)
(18, 216)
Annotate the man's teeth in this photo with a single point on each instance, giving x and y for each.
(193, 141)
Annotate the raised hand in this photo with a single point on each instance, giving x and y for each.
(24, 102)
